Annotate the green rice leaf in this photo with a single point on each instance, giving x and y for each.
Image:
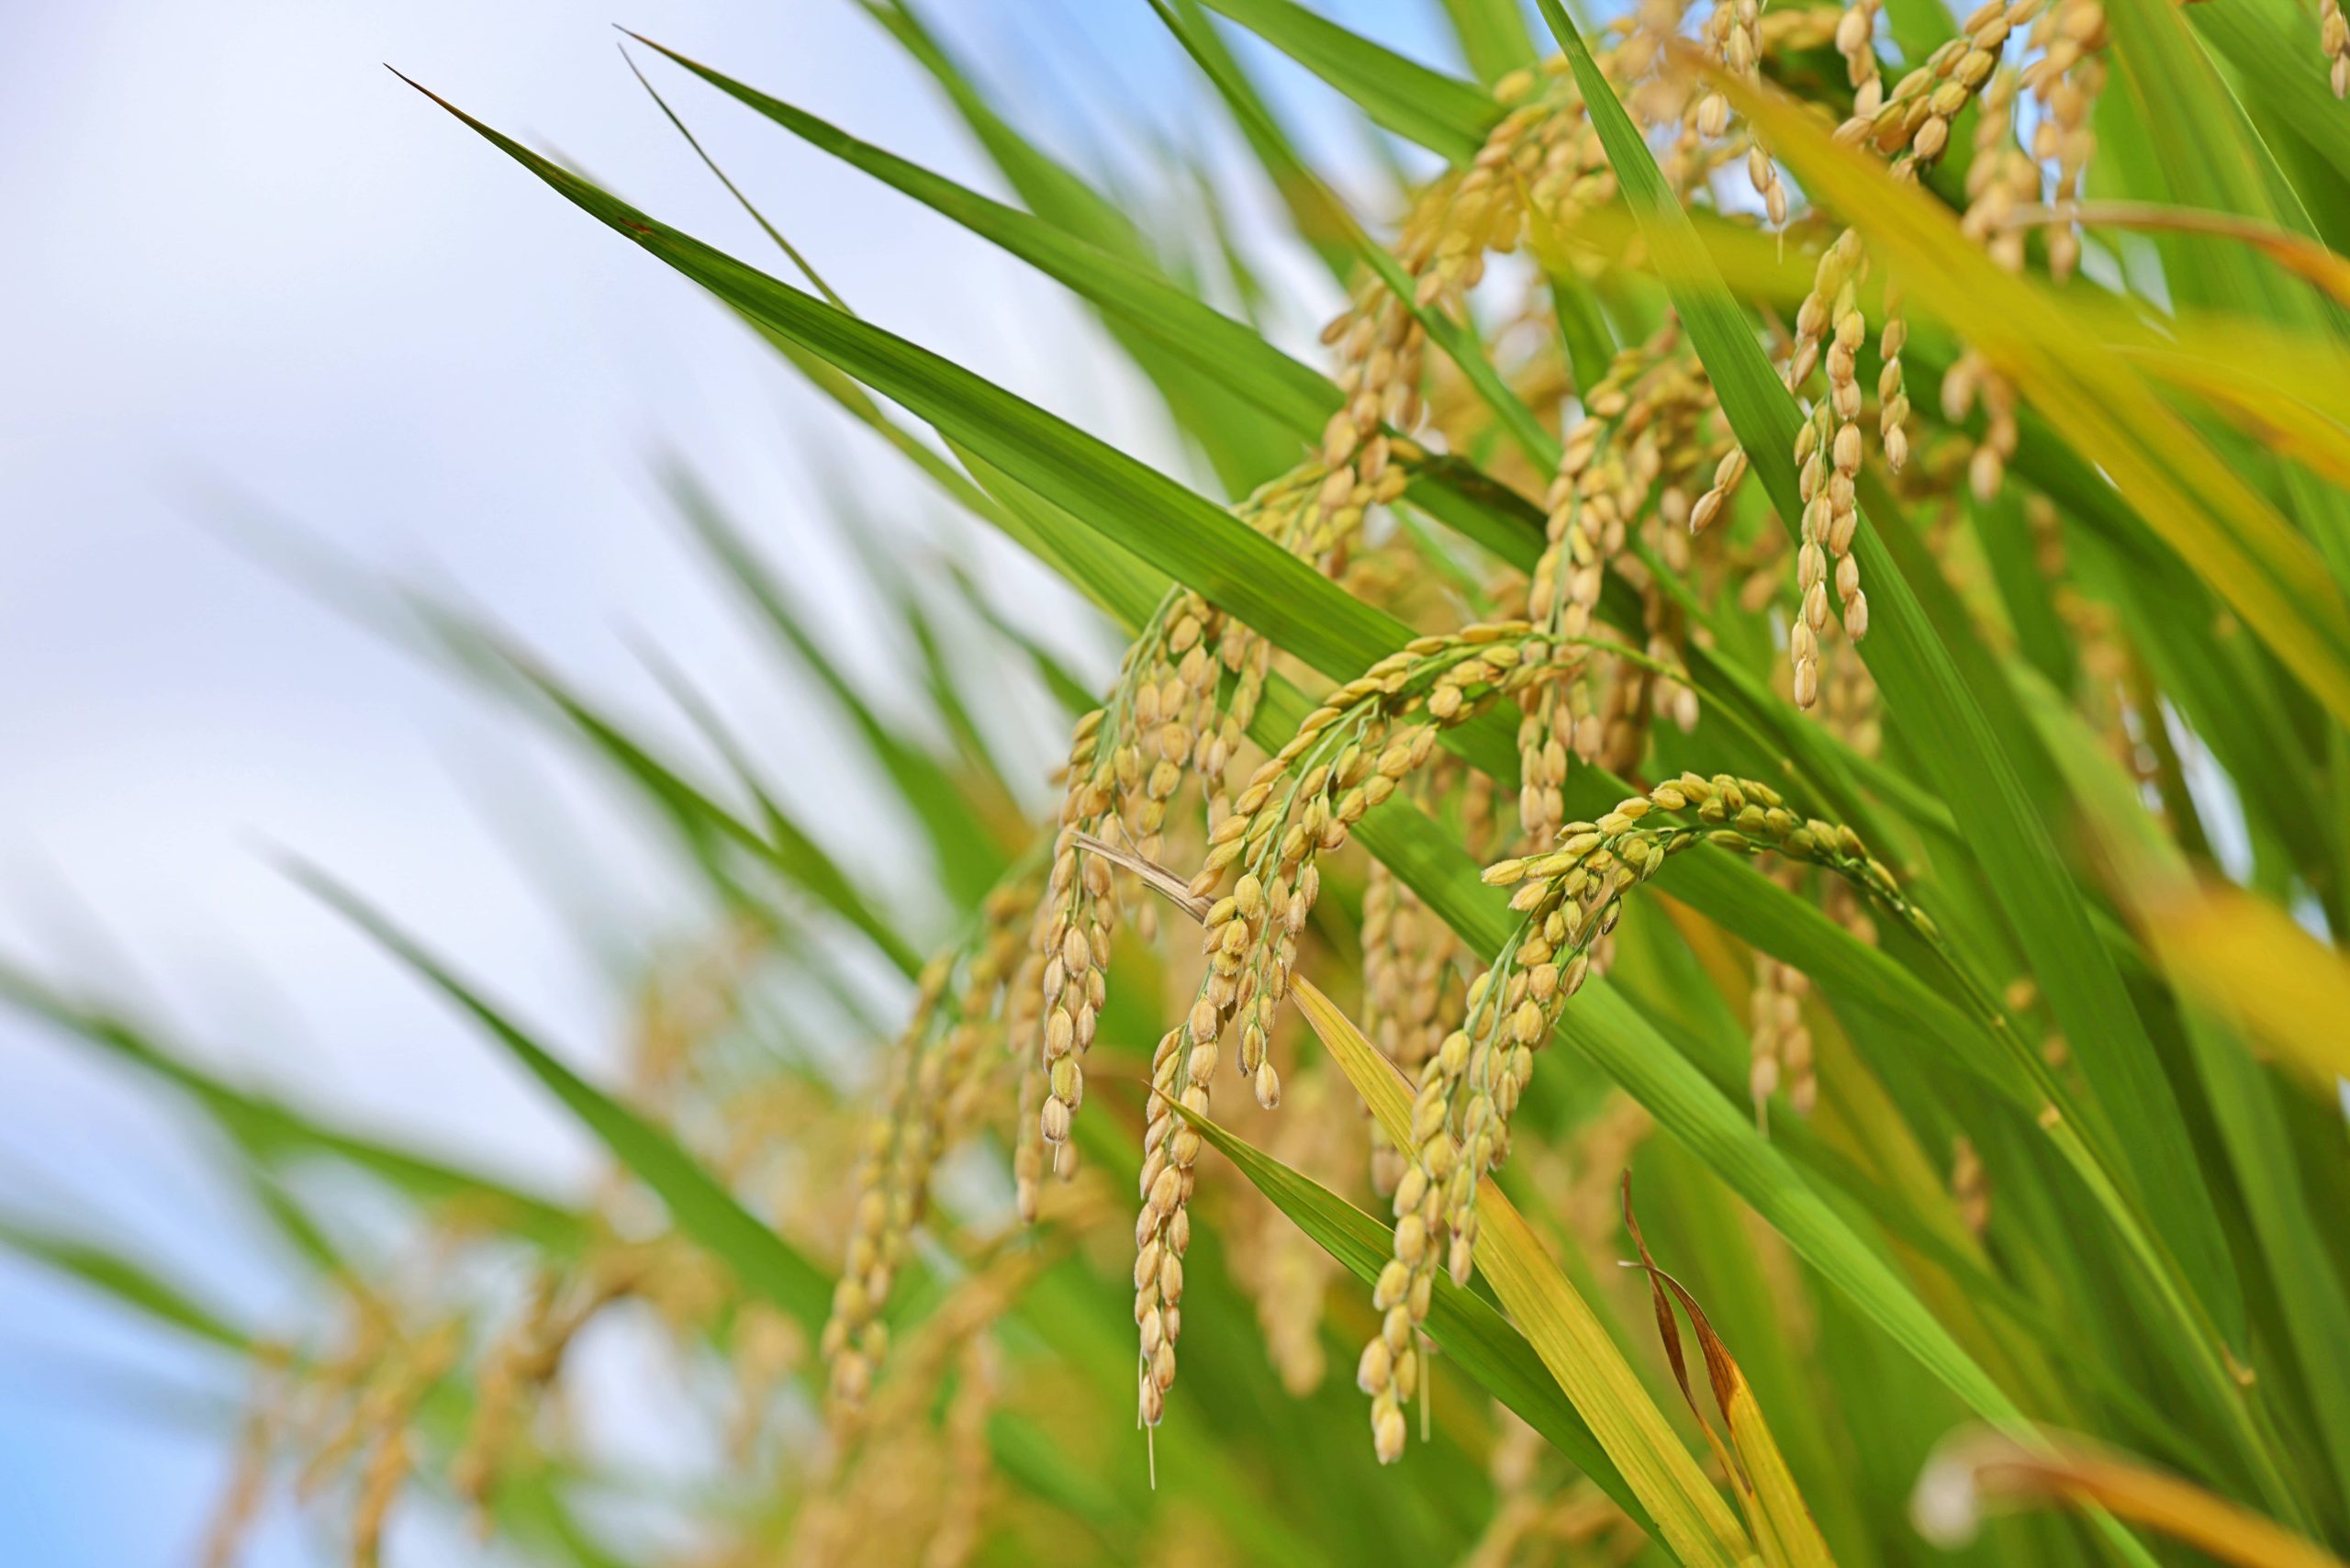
(2273, 47)
(128, 1282)
(274, 1133)
(1493, 36)
(1328, 234)
(1942, 716)
(1299, 398)
(1443, 114)
(970, 858)
(702, 1208)
(1473, 1337)
(1245, 449)
(2244, 1102)
(1691, 1516)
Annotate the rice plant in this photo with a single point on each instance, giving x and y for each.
(1714, 862)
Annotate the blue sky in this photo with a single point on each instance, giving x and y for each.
(254, 274)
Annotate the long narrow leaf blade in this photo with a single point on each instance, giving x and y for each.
(702, 1208)
(1559, 1323)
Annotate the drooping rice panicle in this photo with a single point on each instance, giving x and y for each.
(1970, 1188)
(2000, 179)
(2066, 80)
(1632, 445)
(1569, 898)
(1912, 129)
(2121, 532)
(1781, 1041)
(936, 1069)
(1856, 41)
(1286, 1275)
(1185, 696)
(1734, 34)
(1347, 757)
(1411, 994)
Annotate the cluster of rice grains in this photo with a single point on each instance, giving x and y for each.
(1648, 467)
(911, 1479)
(1262, 878)
(1186, 695)
(1569, 898)
(1827, 453)
(360, 1412)
(1646, 554)
(938, 1073)
(425, 1374)
(1910, 125)
(1645, 432)
(1734, 34)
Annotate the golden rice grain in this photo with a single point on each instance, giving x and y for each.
(1569, 897)
(1970, 1188)
(936, 1069)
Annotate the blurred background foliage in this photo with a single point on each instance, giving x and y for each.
(2048, 1139)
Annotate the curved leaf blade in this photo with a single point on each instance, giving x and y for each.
(766, 1264)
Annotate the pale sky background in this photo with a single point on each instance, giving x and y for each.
(245, 258)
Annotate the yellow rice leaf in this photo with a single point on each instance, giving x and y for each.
(1776, 1510)
(2283, 389)
(1987, 1466)
(2184, 489)
(1696, 1524)
(2261, 400)
(2296, 255)
(2247, 958)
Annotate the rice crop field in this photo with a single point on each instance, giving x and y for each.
(1702, 923)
